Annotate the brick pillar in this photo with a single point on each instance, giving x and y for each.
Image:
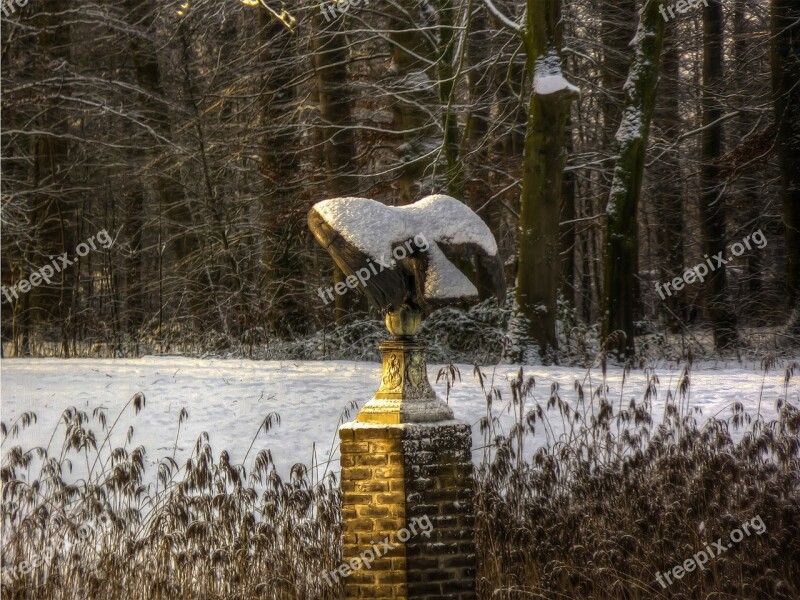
(407, 487)
(438, 483)
(373, 509)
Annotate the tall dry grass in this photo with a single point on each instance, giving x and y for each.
(616, 497)
(593, 513)
(205, 530)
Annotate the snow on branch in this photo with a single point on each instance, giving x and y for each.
(515, 27)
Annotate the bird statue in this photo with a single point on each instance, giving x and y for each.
(401, 255)
(404, 260)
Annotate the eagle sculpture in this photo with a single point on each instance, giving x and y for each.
(405, 257)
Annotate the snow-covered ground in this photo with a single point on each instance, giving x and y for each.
(230, 398)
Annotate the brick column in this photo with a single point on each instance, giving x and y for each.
(407, 486)
(438, 483)
(373, 509)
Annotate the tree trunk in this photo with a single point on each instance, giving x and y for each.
(410, 83)
(173, 205)
(567, 231)
(712, 203)
(542, 173)
(753, 206)
(618, 27)
(622, 238)
(284, 219)
(477, 188)
(54, 214)
(667, 186)
(785, 20)
(148, 77)
(509, 73)
(339, 145)
(455, 168)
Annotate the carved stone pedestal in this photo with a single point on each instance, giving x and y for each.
(405, 395)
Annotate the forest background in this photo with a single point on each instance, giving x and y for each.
(199, 134)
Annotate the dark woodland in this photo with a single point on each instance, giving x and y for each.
(198, 135)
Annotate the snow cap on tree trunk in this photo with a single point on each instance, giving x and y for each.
(548, 79)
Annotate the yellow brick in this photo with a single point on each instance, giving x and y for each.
(386, 447)
(392, 498)
(360, 499)
(359, 525)
(353, 473)
(389, 525)
(361, 576)
(354, 447)
(383, 592)
(388, 472)
(373, 511)
(371, 459)
(371, 486)
(392, 577)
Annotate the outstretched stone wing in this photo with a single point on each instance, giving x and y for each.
(405, 255)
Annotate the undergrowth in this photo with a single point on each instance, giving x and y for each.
(483, 333)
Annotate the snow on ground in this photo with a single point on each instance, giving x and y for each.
(230, 398)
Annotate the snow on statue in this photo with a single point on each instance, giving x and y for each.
(404, 256)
